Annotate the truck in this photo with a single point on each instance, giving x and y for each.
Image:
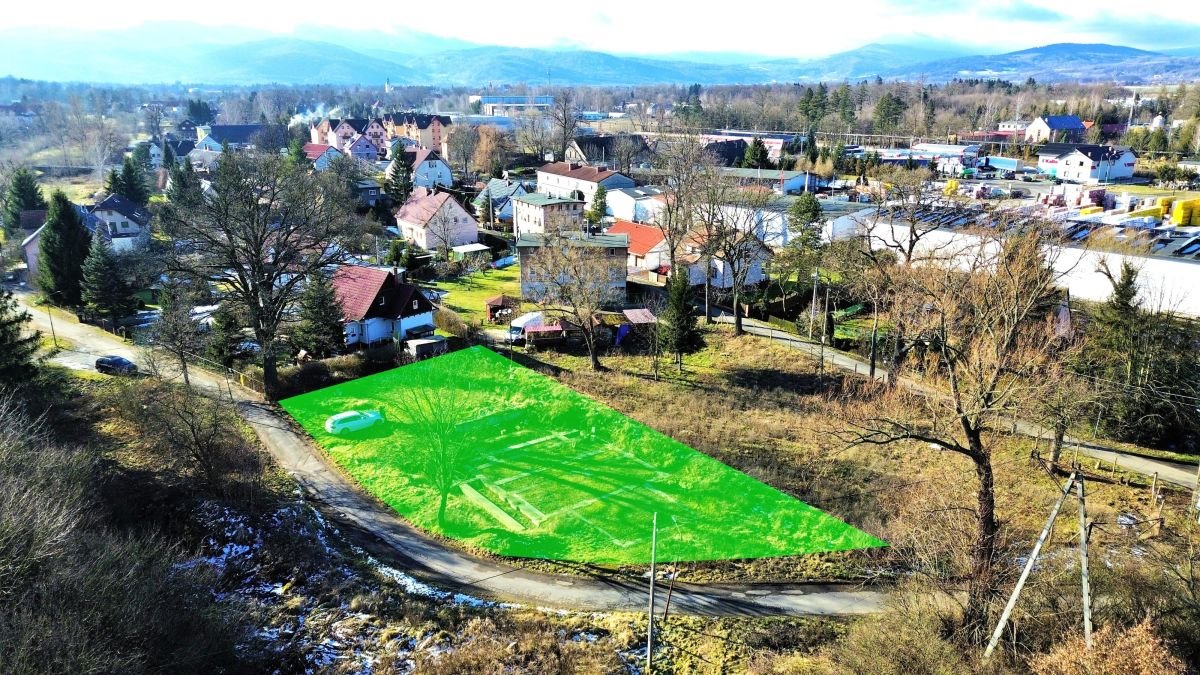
(516, 327)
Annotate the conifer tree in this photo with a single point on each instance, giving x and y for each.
(133, 182)
(678, 333)
(320, 332)
(104, 290)
(17, 348)
(400, 184)
(23, 194)
(112, 183)
(599, 205)
(63, 247)
(225, 334)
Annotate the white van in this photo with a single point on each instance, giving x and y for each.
(353, 420)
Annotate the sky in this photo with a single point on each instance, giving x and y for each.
(793, 29)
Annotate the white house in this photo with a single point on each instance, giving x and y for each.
(783, 182)
(1088, 164)
(127, 224)
(576, 181)
(1055, 128)
(647, 245)
(428, 167)
(1014, 125)
(637, 204)
(536, 213)
(720, 272)
(378, 307)
(433, 220)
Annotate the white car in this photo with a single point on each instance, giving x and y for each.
(353, 420)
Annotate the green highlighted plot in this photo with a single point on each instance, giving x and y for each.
(475, 447)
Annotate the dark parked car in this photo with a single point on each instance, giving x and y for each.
(116, 365)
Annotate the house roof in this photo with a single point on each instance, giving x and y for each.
(500, 188)
(369, 292)
(643, 192)
(603, 147)
(314, 150)
(534, 240)
(639, 315)
(728, 151)
(642, 238)
(419, 120)
(421, 155)
(421, 206)
(1091, 151)
(577, 171)
(1063, 122)
(124, 207)
(540, 199)
(181, 147)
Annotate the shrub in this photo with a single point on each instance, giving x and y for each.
(1136, 651)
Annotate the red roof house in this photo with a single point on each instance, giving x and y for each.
(377, 306)
(647, 245)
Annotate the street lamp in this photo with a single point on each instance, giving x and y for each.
(812, 314)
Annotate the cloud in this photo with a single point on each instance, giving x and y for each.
(1021, 10)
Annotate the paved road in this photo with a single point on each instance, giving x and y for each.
(451, 568)
(1176, 473)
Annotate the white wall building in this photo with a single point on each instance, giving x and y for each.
(636, 204)
(570, 180)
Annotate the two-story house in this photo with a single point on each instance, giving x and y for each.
(647, 245)
(576, 181)
(378, 307)
(612, 249)
(1055, 129)
(126, 223)
(216, 137)
(435, 221)
(428, 168)
(639, 204)
(320, 154)
(501, 192)
(536, 213)
(1086, 163)
(361, 148)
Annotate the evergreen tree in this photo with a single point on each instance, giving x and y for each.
(395, 253)
(485, 207)
(63, 247)
(104, 290)
(320, 332)
(599, 205)
(16, 348)
(400, 185)
(185, 184)
(756, 155)
(296, 152)
(224, 336)
(112, 183)
(804, 218)
(133, 182)
(678, 333)
(810, 147)
(23, 194)
(169, 158)
(141, 157)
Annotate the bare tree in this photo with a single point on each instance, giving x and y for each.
(576, 277)
(433, 413)
(100, 141)
(738, 247)
(440, 230)
(685, 164)
(264, 227)
(153, 116)
(533, 134)
(564, 113)
(981, 315)
(176, 333)
(713, 192)
(626, 151)
(462, 143)
(493, 150)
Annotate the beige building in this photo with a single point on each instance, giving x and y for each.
(536, 213)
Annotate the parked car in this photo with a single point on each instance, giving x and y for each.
(353, 420)
(1009, 175)
(1018, 193)
(116, 365)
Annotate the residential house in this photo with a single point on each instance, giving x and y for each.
(378, 307)
(603, 150)
(1014, 125)
(1086, 163)
(180, 147)
(639, 204)
(214, 138)
(536, 213)
(720, 272)
(429, 169)
(501, 192)
(31, 246)
(434, 220)
(613, 248)
(362, 149)
(576, 181)
(318, 132)
(341, 133)
(369, 192)
(186, 129)
(1055, 128)
(647, 245)
(320, 154)
(426, 130)
(126, 224)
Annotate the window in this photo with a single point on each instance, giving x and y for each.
(414, 304)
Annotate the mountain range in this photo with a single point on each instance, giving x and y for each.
(187, 53)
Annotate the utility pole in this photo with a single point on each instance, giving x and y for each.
(53, 335)
(812, 314)
(650, 627)
(1037, 548)
(1083, 566)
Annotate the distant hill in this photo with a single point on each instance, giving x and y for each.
(179, 52)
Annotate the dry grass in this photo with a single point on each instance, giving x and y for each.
(77, 188)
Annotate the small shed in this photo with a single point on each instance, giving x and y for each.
(501, 308)
(468, 250)
(552, 333)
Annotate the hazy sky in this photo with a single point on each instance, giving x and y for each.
(808, 28)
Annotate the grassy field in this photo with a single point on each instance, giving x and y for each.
(530, 468)
(466, 295)
(77, 189)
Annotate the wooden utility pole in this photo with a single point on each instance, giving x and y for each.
(1083, 566)
(650, 627)
(1037, 548)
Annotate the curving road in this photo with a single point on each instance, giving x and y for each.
(448, 567)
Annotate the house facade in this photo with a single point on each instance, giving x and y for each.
(719, 271)
(536, 213)
(429, 169)
(638, 204)
(320, 154)
(647, 245)
(427, 130)
(501, 192)
(611, 248)
(377, 307)
(1014, 125)
(127, 225)
(434, 220)
(604, 150)
(1086, 163)
(360, 148)
(576, 181)
(1055, 128)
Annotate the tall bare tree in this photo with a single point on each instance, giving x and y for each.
(564, 113)
(462, 143)
(533, 134)
(153, 116)
(738, 246)
(576, 278)
(264, 227)
(982, 314)
(685, 165)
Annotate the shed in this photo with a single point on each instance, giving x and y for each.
(465, 250)
(501, 308)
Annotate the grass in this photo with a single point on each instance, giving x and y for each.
(466, 294)
(77, 188)
(541, 471)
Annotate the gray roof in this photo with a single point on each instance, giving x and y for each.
(539, 199)
(124, 207)
(577, 239)
(640, 192)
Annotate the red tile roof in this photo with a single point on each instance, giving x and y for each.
(315, 150)
(578, 171)
(356, 288)
(642, 238)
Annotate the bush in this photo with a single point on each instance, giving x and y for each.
(296, 380)
(1136, 651)
(449, 321)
